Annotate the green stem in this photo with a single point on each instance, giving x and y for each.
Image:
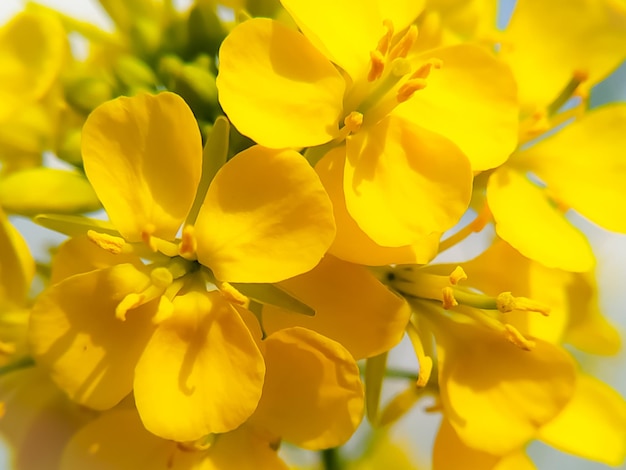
(22, 363)
(331, 459)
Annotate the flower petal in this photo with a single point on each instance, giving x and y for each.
(571, 432)
(32, 49)
(17, 266)
(347, 31)
(546, 42)
(297, 95)
(495, 394)
(313, 395)
(266, 217)
(526, 219)
(351, 243)
(403, 182)
(351, 307)
(74, 332)
(200, 373)
(481, 116)
(584, 167)
(143, 156)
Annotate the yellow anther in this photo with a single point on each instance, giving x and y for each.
(377, 65)
(232, 294)
(403, 46)
(129, 302)
(385, 40)
(515, 337)
(147, 238)
(457, 276)
(188, 244)
(424, 70)
(353, 122)
(408, 88)
(107, 242)
(426, 368)
(507, 303)
(448, 299)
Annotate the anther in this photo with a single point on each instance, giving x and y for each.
(232, 294)
(517, 338)
(457, 276)
(448, 299)
(147, 238)
(403, 46)
(107, 242)
(377, 65)
(408, 88)
(189, 243)
(507, 303)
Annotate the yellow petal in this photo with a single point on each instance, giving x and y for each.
(346, 298)
(101, 446)
(313, 395)
(17, 266)
(200, 373)
(297, 94)
(583, 165)
(75, 334)
(592, 425)
(347, 31)
(37, 190)
(546, 42)
(32, 49)
(80, 255)
(450, 452)
(143, 156)
(403, 182)
(266, 217)
(515, 461)
(588, 328)
(495, 394)
(351, 243)
(481, 116)
(38, 420)
(526, 219)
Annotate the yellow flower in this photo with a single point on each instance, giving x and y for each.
(405, 165)
(113, 324)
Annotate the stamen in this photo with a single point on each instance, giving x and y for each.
(448, 299)
(518, 339)
(353, 122)
(147, 238)
(408, 88)
(107, 242)
(129, 302)
(457, 276)
(424, 70)
(377, 65)
(425, 362)
(385, 40)
(507, 303)
(403, 46)
(189, 244)
(232, 294)
(578, 77)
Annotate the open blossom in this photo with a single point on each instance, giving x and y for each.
(409, 149)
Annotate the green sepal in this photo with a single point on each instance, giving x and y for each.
(271, 294)
(74, 225)
(374, 375)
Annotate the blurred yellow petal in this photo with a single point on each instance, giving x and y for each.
(403, 182)
(588, 328)
(515, 461)
(38, 190)
(584, 167)
(266, 217)
(313, 395)
(32, 49)
(592, 425)
(143, 156)
(351, 307)
(527, 220)
(201, 371)
(546, 42)
(347, 31)
(481, 116)
(495, 394)
(450, 452)
(75, 334)
(17, 266)
(296, 99)
(351, 243)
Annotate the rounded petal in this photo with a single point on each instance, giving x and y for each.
(495, 394)
(313, 395)
(143, 156)
(75, 334)
(403, 182)
(266, 217)
(351, 307)
(481, 116)
(450, 452)
(32, 49)
(592, 425)
(297, 95)
(584, 167)
(351, 243)
(347, 31)
(527, 220)
(547, 42)
(200, 373)
(39, 190)
(17, 267)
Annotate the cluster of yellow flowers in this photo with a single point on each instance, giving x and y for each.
(278, 177)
